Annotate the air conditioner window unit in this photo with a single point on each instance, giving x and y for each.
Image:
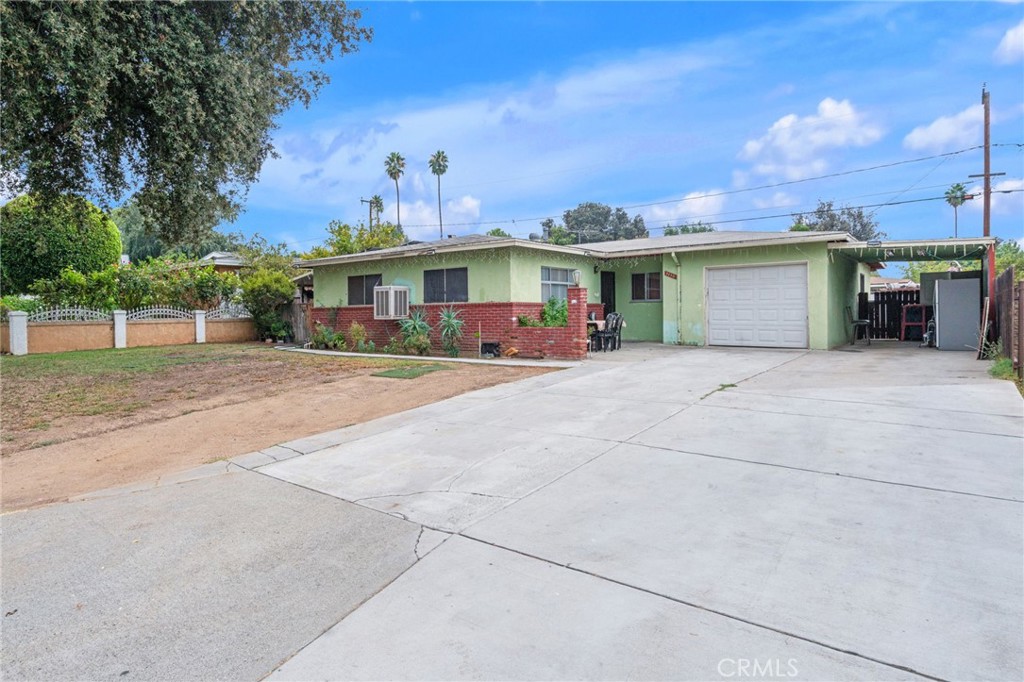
(390, 303)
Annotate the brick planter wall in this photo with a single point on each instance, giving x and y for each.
(494, 321)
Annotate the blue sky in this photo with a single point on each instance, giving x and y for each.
(676, 110)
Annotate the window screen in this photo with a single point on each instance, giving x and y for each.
(360, 289)
(646, 286)
(446, 286)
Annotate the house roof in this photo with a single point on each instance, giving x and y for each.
(700, 241)
(223, 258)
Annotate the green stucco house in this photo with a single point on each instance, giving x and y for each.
(759, 289)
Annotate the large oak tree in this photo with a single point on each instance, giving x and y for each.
(171, 101)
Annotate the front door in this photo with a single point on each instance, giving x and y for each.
(608, 291)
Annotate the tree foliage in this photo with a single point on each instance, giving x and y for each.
(343, 239)
(40, 237)
(394, 166)
(689, 228)
(826, 218)
(439, 166)
(140, 244)
(173, 100)
(956, 195)
(497, 232)
(593, 222)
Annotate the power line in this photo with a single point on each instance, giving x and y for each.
(786, 183)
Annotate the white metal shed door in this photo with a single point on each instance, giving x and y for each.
(762, 306)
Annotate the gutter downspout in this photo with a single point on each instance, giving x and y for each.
(679, 299)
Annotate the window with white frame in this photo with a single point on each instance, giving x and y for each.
(647, 286)
(554, 283)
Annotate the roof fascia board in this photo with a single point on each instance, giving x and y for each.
(722, 246)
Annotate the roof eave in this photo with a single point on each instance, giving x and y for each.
(369, 256)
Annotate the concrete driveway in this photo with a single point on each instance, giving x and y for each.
(657, 513)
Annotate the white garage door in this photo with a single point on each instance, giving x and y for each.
(758, 306)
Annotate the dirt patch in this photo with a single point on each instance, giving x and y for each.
(65, 435)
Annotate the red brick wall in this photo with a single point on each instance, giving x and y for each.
(495, 321)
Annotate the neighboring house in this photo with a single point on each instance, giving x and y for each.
(765, 289)
(893, 284)
(223, 261)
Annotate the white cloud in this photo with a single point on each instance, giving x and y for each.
(777, 200)
(694, 206)
(543, 139)
(1007, 199)
(794, 146)
(419, 216)
(467, 207)
(1011, 48)
(948, 132)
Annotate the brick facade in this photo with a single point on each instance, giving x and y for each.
(495, 322)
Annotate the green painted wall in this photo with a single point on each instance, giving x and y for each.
(487, 272)
(843, 286)
(684, 314)
(525, 273)
(643, 318)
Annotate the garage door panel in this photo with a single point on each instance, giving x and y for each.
(758, 306)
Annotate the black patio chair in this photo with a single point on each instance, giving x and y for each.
(611, 335)
(858, 324)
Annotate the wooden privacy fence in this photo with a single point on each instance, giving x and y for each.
(1006, 318)
(885, 312)
(56, 330)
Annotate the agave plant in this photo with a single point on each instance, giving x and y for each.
(414, 325)
(451, 330)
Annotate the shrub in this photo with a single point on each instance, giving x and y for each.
(264, 291)
(555, 313)
(527, 321)
(393, 347)
(129, 286)
(325, 338)
(418, 344)
(25, 305)
(357, 336)
(40, 239)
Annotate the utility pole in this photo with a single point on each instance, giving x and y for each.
(370, 202)
(987, 196)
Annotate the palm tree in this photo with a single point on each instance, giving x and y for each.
(376, 206)
(394, 166)
(955, 197)
(438, 166)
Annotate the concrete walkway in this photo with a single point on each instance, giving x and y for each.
(655, 513)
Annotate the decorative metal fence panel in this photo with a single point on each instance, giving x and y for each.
(228, 312)
(156, 312)
(61, 314)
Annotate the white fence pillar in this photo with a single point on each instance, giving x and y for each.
(18, 330)
(120, 329)
(200, 325)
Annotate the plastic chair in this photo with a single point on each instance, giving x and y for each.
(611, 334)
(857, 324)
